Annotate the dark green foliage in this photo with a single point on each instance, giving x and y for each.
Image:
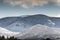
(48, 39)
(2, 38)
(11, 38)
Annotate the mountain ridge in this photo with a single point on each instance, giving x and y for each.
(11, 23)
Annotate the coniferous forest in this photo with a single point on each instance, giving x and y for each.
(12, 38)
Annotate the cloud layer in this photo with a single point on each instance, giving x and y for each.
(32, 3)
(56, 2)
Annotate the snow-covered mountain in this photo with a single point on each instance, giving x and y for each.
(39, 31)
(5, 32)
(20, 24)
(32, 26)
(36, 31)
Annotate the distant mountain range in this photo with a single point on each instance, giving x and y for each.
(20, 24)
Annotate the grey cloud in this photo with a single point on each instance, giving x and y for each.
(27, 3)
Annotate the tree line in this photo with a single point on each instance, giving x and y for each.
(13, 38)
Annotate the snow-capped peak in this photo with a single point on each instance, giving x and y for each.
(38, 31)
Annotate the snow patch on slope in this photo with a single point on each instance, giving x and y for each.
(5, 32)
(50, 22)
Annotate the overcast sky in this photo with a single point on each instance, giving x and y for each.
(29, 7)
